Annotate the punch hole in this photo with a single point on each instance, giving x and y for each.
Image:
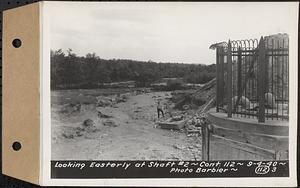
(17, 43)
(16, 146)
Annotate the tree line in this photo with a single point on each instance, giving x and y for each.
(71, 71)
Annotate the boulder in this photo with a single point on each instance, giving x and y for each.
(101, 115)
(123, 98)
(177, 118)
(186, 107)
(270, 100)
(244, 102)
(110, 123)
(88, 123)
(103, 101)
(71, 108)
(68, 135)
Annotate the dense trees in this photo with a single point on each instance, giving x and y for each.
(72, 71)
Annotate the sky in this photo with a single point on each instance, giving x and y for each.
(163, 32)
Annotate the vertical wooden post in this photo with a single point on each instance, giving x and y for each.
(261, 80)
(218, 80)
(205, 142)
(229, 81)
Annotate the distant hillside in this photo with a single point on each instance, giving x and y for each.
(72, 71)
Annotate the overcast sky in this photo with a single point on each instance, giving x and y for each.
(162, 32)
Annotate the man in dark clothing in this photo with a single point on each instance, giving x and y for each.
(159, 110)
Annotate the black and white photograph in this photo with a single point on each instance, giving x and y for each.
(172, 81)
(149, 94)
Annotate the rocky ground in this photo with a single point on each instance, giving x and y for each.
(95, 127)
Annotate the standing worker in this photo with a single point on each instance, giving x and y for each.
(159, 109)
